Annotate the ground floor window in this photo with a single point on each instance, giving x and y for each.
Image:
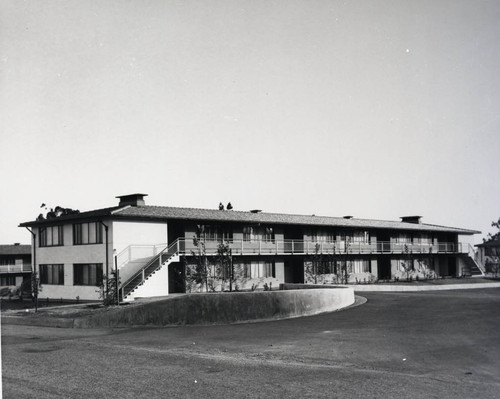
(7, 280)
(403, 265)
(87, 274)
(361, 266)
(52, 274)
(258, 269)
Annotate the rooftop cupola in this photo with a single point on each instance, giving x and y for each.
(411, 219)
(132, 199)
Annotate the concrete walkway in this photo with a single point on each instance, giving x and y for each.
(408, 287)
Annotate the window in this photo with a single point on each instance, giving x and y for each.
(360, 236)
(403, 265)
(51, 236)
(326, 267)
(322, 236)
(423, 239)
(214, 233)
(52, 274)
(258, 233)
(492, 251)
(402, 239)
(258, 269)
(7, 280)
(7, 262)
(87, 274)
(87, 233)
(361, 266)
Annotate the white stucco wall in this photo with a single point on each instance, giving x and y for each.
(156, 285)
(138, 233)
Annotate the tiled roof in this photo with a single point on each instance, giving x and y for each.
(490, 243)
(95, 214)
(15, 249)
(158, 213)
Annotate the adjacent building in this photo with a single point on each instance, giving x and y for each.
(488, 256)
(15, 267)
(153, 246)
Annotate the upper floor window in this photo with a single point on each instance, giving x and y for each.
(355, 236)
(214, 233)
(423, 239)
(52, 274)
(258, 233)
(322, 236)
(51, 236)
(360, 236)
(492, 251)
(87, 233)
(402, 239)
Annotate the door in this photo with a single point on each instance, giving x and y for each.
(176, 275)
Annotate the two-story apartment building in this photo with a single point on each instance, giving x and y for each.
(151, 246)
(15, 267)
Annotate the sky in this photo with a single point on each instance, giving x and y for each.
(376, 109)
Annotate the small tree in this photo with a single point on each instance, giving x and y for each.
(494, 236)
(108, 289)
(225, 264)
(426, 266)
(407, 263)
(199, 273)
(36, 288)
(314, 265)
(345, 267)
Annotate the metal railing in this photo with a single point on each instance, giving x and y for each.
(24, 268)
(149, 268)
(473, 255)
(291, 247)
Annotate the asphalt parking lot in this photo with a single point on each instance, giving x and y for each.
(397, 345)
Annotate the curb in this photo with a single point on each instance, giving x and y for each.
(406, 288)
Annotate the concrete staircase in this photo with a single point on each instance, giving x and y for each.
(471, 267)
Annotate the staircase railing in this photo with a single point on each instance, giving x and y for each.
(149, 268)
(472, 255)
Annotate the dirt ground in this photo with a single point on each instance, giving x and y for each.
(397, 345)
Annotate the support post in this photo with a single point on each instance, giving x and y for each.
(107, 257)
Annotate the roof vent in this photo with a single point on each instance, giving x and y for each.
(348, 217)
(256, 210)
(132, 199)
(411, 219)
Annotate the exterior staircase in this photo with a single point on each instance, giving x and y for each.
(472, 268)
(145, 269)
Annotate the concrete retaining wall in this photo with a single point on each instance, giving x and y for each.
(223, 308)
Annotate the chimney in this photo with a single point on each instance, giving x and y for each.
(132, 199)
(411, 219)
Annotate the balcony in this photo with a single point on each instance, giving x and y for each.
(186, 246)
(18, 268)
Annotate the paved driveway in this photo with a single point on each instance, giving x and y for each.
(397, 345)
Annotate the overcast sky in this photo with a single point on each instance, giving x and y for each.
(376, 109)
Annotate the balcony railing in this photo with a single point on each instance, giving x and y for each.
(15, 268)
(185, 246)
